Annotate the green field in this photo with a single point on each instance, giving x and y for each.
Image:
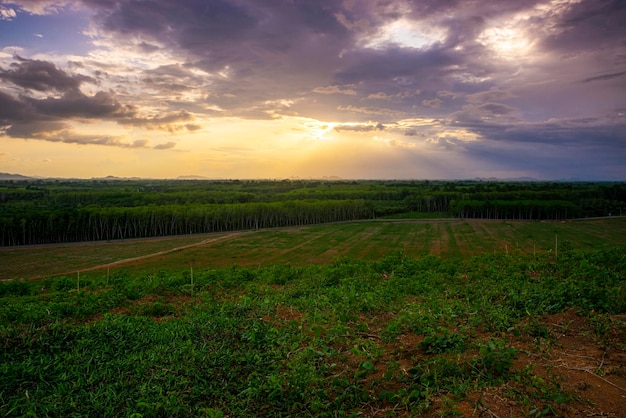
(492, 335)
(376, 318)
(369, 240)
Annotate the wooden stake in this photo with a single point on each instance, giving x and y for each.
(556, 245)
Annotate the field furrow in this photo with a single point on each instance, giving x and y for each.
(315, 245)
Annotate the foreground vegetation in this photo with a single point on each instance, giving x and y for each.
(399, 336)
(54, 211)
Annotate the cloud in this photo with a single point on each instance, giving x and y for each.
(55, 131)
(486, 114)
(334, 90)
(401, 65)
(365, 110)
(434, 103)
(487, 96)
(166, 122)
(251, 51)
(167, 145)
(40, 7)
(588, 26)
(604, 77)
(41, 76)
(360, 127)
(43, 118)
(75, 104)
(379, 96)
(7, 13)
(402, 95)
(46, 130)
(12, 109)
(458, 75)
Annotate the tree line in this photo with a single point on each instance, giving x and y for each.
(52, 211)
(94, 223)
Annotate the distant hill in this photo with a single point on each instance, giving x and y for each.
(497, 179)
(9, 176)
(191, 177)
(115, 178)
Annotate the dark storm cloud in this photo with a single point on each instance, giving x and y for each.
(24, 116)
(46, 130)
(75, 104)
(59, 131)
(421, 8)
(604, 77)
(550, 151)
(281, 49)
(402, 65)
(41, 76)
(589, 25)
(12, 109)
(485, 118)
(183, 22)
(269, 50)
(590, 132)
(221, 31)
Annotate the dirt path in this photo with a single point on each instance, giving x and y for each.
(143, 257)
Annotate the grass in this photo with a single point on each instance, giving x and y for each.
(393, 336)
(319, 244)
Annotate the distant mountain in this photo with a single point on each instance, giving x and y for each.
(9, 176)
(114, 178)
(496, 179)
(191, 177)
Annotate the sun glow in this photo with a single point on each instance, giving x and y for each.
(405, 33)
(508, 42)
(319, 130)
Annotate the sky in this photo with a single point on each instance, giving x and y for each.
(277, 89)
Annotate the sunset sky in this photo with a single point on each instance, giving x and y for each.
(364, 89)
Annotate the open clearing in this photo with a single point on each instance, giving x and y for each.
(314, 244)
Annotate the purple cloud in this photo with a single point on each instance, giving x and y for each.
(509, 73)
(41, 76)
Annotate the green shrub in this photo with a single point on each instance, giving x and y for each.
(446, 342)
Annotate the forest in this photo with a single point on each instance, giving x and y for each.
(59, 211)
